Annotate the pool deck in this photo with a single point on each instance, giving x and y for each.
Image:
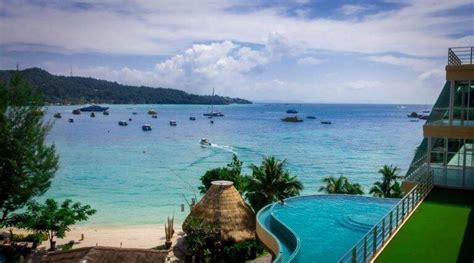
(440, 230)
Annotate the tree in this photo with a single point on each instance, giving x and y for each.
(388, 187)
(27, 163)
(340, 185)
(232, 172)
(202, 239)
(271, 182)
(51, 218)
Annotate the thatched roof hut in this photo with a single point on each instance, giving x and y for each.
(224, 207)
(107, 255)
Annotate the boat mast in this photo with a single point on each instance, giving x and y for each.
(212, 101)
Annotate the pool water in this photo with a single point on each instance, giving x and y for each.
(327, 226)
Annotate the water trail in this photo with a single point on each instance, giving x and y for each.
(224, 147)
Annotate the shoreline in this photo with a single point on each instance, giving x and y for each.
(126, 236)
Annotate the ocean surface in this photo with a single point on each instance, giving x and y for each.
(134, 177)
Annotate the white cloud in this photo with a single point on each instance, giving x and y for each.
(309, 61)
(364, 84)
(353, 9)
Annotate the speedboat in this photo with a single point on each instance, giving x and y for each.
(134, 113)
(204, 141)
(423, 117)
(192, 118)
(93, 108)
(106, 113)
(70, 120)
(311, 117)
(292, 119)
(122, 123)
(154, 116)
(292, 111)
(152, 112)
(172, 123)
(92, 114)
(57, 115)
(325, 122)
(146, 127)
(76, 112)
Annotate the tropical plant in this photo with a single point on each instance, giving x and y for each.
(242, 251)
(201, 239)
(27, 163)
(169, 231)
(389, 186)
(270, 182)
(51, 218)
(232, 172)
(340, 185)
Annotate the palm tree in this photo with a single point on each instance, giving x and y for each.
(271, 182)
(340, 185)
(388, 187)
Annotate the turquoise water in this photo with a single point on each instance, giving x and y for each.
(327, 225)
(136, 177)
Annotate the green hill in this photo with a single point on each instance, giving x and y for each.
(81, 90)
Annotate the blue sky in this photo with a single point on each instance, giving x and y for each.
(307, 51)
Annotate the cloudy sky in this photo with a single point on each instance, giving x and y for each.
(381, 51)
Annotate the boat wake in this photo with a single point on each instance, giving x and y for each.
(223, 147)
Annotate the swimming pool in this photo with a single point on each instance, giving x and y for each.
(320, 227)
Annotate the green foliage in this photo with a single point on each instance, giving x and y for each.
(232, 172)
(201, 239)
(27, 163)
(270, 182)
(51, 217)
(35, 238)
(340, 185)
(68, 246)
(80, 90)
(242, 251)
(389, 186)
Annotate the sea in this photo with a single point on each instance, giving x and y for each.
(135, 177)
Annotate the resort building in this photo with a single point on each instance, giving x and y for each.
(447, 149)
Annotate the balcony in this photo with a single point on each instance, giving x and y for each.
(460, 64)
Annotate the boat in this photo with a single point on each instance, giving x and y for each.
(146, 127)
(76, 112)
(172, 123)
(210, 111)
(57, 115)
(154, 116)
(325, 122)
(129, 119)
(94, 108)
(423, 117)
(92, 114)
(204, 141)
(292, 119)
(134, 113)
(70, 120)
(152, 112)
(292, 111)
(414, 120)
(122, 123)
(413, 115)
(192, 118)
(106, 113)
(211, 122)
(311, 117)
(426, 111)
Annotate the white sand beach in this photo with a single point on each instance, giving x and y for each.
(140, 236)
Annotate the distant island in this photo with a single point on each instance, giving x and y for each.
(82, 90)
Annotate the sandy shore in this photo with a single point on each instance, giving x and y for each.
(142, 236)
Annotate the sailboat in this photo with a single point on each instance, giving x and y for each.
(210, 110)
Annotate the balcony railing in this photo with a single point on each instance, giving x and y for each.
(370, 245)
(460, 55)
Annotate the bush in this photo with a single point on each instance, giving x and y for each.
(35, 238)
(242, 251)
(68, 246)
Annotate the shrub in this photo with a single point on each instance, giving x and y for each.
(242, 251)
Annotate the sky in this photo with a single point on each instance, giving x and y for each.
(381, 51)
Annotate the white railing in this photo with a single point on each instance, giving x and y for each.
(368, 247)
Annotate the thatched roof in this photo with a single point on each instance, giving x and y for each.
(106, 255)
(223, 207)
